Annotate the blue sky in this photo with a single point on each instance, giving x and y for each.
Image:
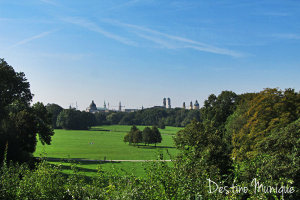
(139, 51)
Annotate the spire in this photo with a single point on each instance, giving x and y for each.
(120, 106)
(196, 105)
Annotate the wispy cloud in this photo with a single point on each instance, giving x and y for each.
(95, 28)
(163, 43)
(290, 36)
(172, 41)
(35, 37)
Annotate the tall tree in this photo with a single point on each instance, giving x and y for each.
(133, 136)
(156, 135)
(147, 135)
(19, 122)
(75, 119)
(54, 110)
(264, 112)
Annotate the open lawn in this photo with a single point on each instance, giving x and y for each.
(104, 143)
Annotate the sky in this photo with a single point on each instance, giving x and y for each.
(140, 51)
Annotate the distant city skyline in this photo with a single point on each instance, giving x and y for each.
(140, 51)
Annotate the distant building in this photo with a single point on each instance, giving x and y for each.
(169, 103)
(120, 107)
(164, 103)
(191, 105)
(196, 105)
(183, 105)
(92, 108)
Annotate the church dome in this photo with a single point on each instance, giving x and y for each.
(196, 103)
(93, 106)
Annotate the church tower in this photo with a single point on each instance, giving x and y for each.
(196, 105)
(183, 105)
(164, 103)
(191, 105)
(169, 103)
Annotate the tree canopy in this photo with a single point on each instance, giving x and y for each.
(75, 119)
(54, 110)
(147, 136)
(20, 123)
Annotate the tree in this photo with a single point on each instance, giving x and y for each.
(147, 135)
(88, 119)
(137, 137)
(100, 118)
(19, 122)
(258, 116)
(265, 136)
(203, 145)
(218, 109)
(161, 124)
(115, 117)
(133, 136)
(191, 115)
(13, 86)
(75, 119)
(54, 110)
(282, 145)
(156, 135)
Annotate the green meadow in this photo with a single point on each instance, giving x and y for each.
(104, 143)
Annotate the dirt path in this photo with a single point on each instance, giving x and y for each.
(88, 160)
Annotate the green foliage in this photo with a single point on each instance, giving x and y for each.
(265, 136)
(156, 116)
(257, 117)
(218, 109)
(202, 142)
(54, 110)
(155, 135)
(13, 87)
(147, 136)
(115, 117)
(20, 122)
(133, 136)
(161, 124)
(101, 118)
(147, 133)
(75, 119)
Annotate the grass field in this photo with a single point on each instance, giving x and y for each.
(104, 143)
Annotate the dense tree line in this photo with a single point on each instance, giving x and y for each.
(54, 111)
(157, 116)
(75, 119)
(160, 117)
(147, 136)
(20, 122)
